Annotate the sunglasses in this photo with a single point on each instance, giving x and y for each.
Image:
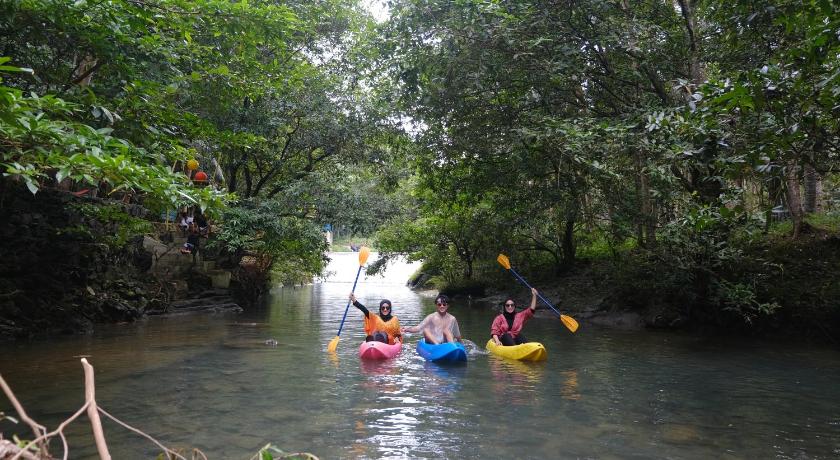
(385, 307)
(509, 304)
(441, 303)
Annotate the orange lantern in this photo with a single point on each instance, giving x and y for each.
(200, 176)
(192, 164)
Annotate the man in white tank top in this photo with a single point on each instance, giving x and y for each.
(440, 326)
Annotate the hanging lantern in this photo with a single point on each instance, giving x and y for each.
(192, 164)
(200, 176)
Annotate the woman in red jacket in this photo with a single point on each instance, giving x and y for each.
(507, 327)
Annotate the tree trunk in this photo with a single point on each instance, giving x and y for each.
(794, 197)
(813, 186)
(83, 73)
(647, 227)
(695, 71)
(569, 242)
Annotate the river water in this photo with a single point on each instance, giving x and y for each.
(212, 382)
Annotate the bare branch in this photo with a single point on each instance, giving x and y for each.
(37, 428)
(135, 430)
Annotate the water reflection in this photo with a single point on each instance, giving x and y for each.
(570, 385)
(377, 367)
(514, 381)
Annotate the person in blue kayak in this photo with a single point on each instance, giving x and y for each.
(440, 326)
(507, 326)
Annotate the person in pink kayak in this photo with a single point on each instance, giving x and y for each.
(507, 326)
(384, 327)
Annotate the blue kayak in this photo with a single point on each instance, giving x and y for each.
(444, 352)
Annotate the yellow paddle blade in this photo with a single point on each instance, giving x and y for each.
(333, 345)
(569, 322)
(363, 255)
(503, 260)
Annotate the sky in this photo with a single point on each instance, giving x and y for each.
(377, 8)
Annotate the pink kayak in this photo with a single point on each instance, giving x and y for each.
(379, 350)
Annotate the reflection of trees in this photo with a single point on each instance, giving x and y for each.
(514, 382)
(569, 390)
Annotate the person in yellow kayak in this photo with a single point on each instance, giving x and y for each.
(507, 326)
(383, 327)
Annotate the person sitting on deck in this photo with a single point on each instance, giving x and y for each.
(201, 222)
(383, 327)
(184, 223)
(193, 238)
(507, 326)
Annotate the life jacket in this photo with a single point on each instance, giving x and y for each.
(374, 323)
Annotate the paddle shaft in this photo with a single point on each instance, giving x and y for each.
(538, 292)
(348, 302)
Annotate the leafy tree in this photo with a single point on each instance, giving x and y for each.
(44, 145)
(253, 90)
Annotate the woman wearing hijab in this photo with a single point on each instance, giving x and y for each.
(383, 327)
(507, 326)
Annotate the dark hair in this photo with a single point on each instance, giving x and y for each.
(384, 301)
(508, 298)
(442, 297)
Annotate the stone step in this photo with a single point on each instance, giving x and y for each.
(219, 278)
(219, 299)
(213, 308)
(173, 265)
(213, 293)
(176, 256)
(154, 246)
(221, 307)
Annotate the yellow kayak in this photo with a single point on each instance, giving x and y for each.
(531, 351)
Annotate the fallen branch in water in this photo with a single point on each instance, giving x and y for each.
(8, 449)
(268, 449)
(36, 427)
(93, 414)
(93, 410)
(12, 451)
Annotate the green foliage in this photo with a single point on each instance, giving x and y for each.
(272, 452)
(262, 94)
(42, 144)
(742, 300)
(664, 140)
(122, 225)
(599, 246)
(821, 223)
(297, 246)
(343, 244)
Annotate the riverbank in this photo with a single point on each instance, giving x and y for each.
(70, 262)
(778, 288)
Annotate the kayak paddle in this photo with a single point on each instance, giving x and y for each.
(364, 252)
(568, 321)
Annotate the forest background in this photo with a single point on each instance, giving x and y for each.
(679, 156)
